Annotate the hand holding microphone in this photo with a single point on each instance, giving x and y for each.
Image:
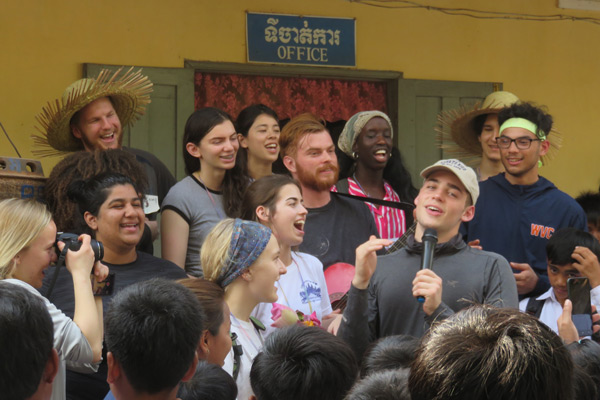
(429, 240)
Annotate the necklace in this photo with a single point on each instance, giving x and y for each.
(212, 200)
(360, 186)
(303, 287)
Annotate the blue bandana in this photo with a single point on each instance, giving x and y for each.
(248, 241)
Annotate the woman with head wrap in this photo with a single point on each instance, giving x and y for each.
(243, 258)
(377, 170)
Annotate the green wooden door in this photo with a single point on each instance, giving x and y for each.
(419, 102)
(160, 130)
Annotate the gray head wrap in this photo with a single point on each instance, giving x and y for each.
(248, 241)
(355, 125)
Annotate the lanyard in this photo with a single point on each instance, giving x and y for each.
(303, 286)
(212, 200)
(246, 334)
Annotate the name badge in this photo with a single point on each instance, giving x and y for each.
(151, 204)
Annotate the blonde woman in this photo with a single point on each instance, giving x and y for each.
(27, 236)
(243, 258)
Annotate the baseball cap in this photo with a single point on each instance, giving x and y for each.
(466, 175)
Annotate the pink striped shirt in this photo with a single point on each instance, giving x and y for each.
(390, 222)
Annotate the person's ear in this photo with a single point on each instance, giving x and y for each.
(203, 348)
(544, 147)
(243, 141)
(91, 220)
(262, 213)
(193, 150)
(191, 370)
(51, 368)
(290, 164)
(114, 369)
(247, 275)
(76, 132)
(468, 214)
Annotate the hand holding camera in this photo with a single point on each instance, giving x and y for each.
(83, 254)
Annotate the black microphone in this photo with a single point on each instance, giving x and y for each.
(429, 240)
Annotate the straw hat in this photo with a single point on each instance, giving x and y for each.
(129, 94)
(456, 132)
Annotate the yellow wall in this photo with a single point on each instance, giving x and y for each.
(45, 42)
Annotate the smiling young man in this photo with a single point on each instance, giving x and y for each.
(334, 226)
(91, 116)
(571, 253)
(383, 301)
(518, 211)
(470, 134)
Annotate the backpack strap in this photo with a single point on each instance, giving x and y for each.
(534, 307)
(237, 355)
(238, 351)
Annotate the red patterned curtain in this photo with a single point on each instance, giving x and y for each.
(330, 99)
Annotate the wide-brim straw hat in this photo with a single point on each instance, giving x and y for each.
(457, 136)
(129, 94)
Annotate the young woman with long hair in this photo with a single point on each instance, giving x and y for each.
(211, 191)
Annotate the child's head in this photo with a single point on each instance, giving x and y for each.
(559, 249)
(590, 202)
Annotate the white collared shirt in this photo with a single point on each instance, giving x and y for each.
(552, 308)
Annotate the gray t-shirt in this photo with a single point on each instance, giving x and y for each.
(202, 209)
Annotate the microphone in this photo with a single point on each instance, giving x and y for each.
(429, 240)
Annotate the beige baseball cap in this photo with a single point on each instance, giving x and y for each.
(466, 175)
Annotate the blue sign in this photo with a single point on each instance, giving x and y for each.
(294, 39)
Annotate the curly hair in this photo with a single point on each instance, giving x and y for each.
(528, 111)
(83, 165)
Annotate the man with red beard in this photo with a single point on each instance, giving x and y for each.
(335, 226)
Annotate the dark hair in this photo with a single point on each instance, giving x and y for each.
(198, 125)
(395, 173)
(390, 352)
(264, 192)
(209, 382)
(153, 329)
(83, 165)
(211, 297)
(584, 386)
(563, 242)
(301, 362)
(243, 124)
(478, 123)
(249, 114)
(26, 341)
(586, 355)
(91, 193)
(484, 352)
(590, 202)
(389, 384)
(529, 112)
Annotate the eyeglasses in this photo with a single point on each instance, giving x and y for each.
(522, 143)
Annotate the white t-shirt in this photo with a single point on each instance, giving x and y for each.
(302, 288)
(552, 309)
(252, 342)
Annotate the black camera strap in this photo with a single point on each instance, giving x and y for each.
(59, 263)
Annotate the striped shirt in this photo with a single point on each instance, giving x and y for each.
(390, 222)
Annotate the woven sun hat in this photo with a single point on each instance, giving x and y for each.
(456, 132)
(129, 94)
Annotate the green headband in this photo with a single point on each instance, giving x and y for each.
(525, 124)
